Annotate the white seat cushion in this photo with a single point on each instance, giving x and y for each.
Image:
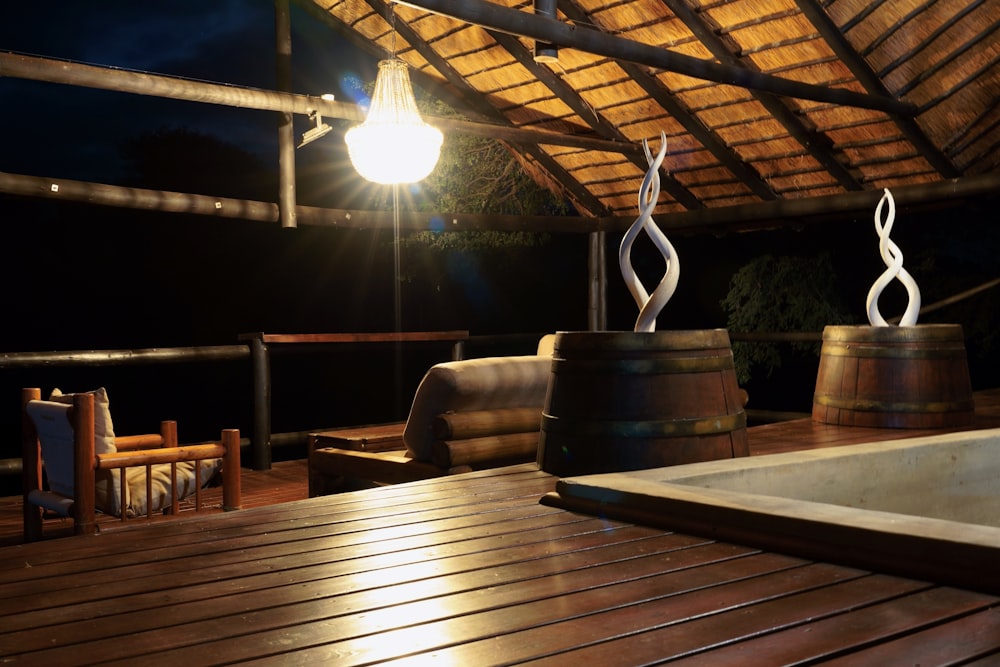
(107, 490)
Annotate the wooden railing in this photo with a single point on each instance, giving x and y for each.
(260, 358)
(257, 348)
(254, 347)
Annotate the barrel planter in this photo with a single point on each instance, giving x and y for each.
(622, 401)
(894, 377)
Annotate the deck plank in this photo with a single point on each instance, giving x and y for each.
(896, 618)
(976, 635)
(524, 632)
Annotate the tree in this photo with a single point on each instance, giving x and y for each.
(781, 294)
(178, 159)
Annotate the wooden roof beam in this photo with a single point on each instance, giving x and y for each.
(524, 24)
(156, 85)
(743, 217)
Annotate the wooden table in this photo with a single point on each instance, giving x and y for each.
(466, 570)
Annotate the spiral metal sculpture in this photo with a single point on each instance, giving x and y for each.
(893, 258)
(650, 305)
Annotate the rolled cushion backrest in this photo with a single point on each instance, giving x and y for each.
(107, 483)
(473, 384)
(55, 434)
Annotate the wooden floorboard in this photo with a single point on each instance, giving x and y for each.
(284, 482)
(470, 570)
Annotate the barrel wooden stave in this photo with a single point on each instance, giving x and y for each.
(894, 377)
(626, 401)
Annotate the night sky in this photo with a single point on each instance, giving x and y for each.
(75, 130)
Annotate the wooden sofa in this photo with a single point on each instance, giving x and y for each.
(466, 415)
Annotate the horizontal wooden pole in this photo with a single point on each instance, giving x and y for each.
(744, 217)
(168, 355)
(162, 455)
(378, 337)
(138, 441)
(542, 28)
(157, 85)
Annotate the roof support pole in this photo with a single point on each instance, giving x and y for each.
(597, 280)
(537, 27)
(286, 129)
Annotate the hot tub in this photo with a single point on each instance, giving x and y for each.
(926, 507)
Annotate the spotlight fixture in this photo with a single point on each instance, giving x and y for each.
(320, 129)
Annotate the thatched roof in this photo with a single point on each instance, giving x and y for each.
(919, 80)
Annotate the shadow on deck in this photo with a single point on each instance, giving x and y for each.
(284, 482)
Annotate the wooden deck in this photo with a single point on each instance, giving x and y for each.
(470, 570)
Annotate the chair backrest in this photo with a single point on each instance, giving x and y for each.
(55, 434)
(56, 421)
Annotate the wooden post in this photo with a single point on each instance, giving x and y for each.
(260, 442)
(31, 470)
(232, 494)
(597, 275)
(286, 129)
(84, 514)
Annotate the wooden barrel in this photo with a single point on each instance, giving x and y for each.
(894, 377)
(622, 401)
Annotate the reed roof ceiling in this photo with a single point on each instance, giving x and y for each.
(935, 60)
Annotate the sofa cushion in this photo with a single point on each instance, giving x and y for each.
(473, 384)
(107, 489)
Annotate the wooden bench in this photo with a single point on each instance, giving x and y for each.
(362, 457)
(466, 415)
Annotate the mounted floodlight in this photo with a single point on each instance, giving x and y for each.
(319, 130)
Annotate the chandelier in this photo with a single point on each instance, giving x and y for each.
(393, 145)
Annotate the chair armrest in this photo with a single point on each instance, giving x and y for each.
(143, 457)
(141, 441)
(167, 437)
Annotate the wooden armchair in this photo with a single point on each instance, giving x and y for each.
(88, 469)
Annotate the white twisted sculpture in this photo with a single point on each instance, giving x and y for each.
(649, 305)
(893, 258)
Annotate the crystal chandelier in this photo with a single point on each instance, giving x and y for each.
(393, 145)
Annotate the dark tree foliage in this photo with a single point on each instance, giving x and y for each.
(781, 294)
(178, 159)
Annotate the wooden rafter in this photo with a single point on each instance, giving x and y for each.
(676, 109)
(565, 93)
(817, 145)
(873, 84)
